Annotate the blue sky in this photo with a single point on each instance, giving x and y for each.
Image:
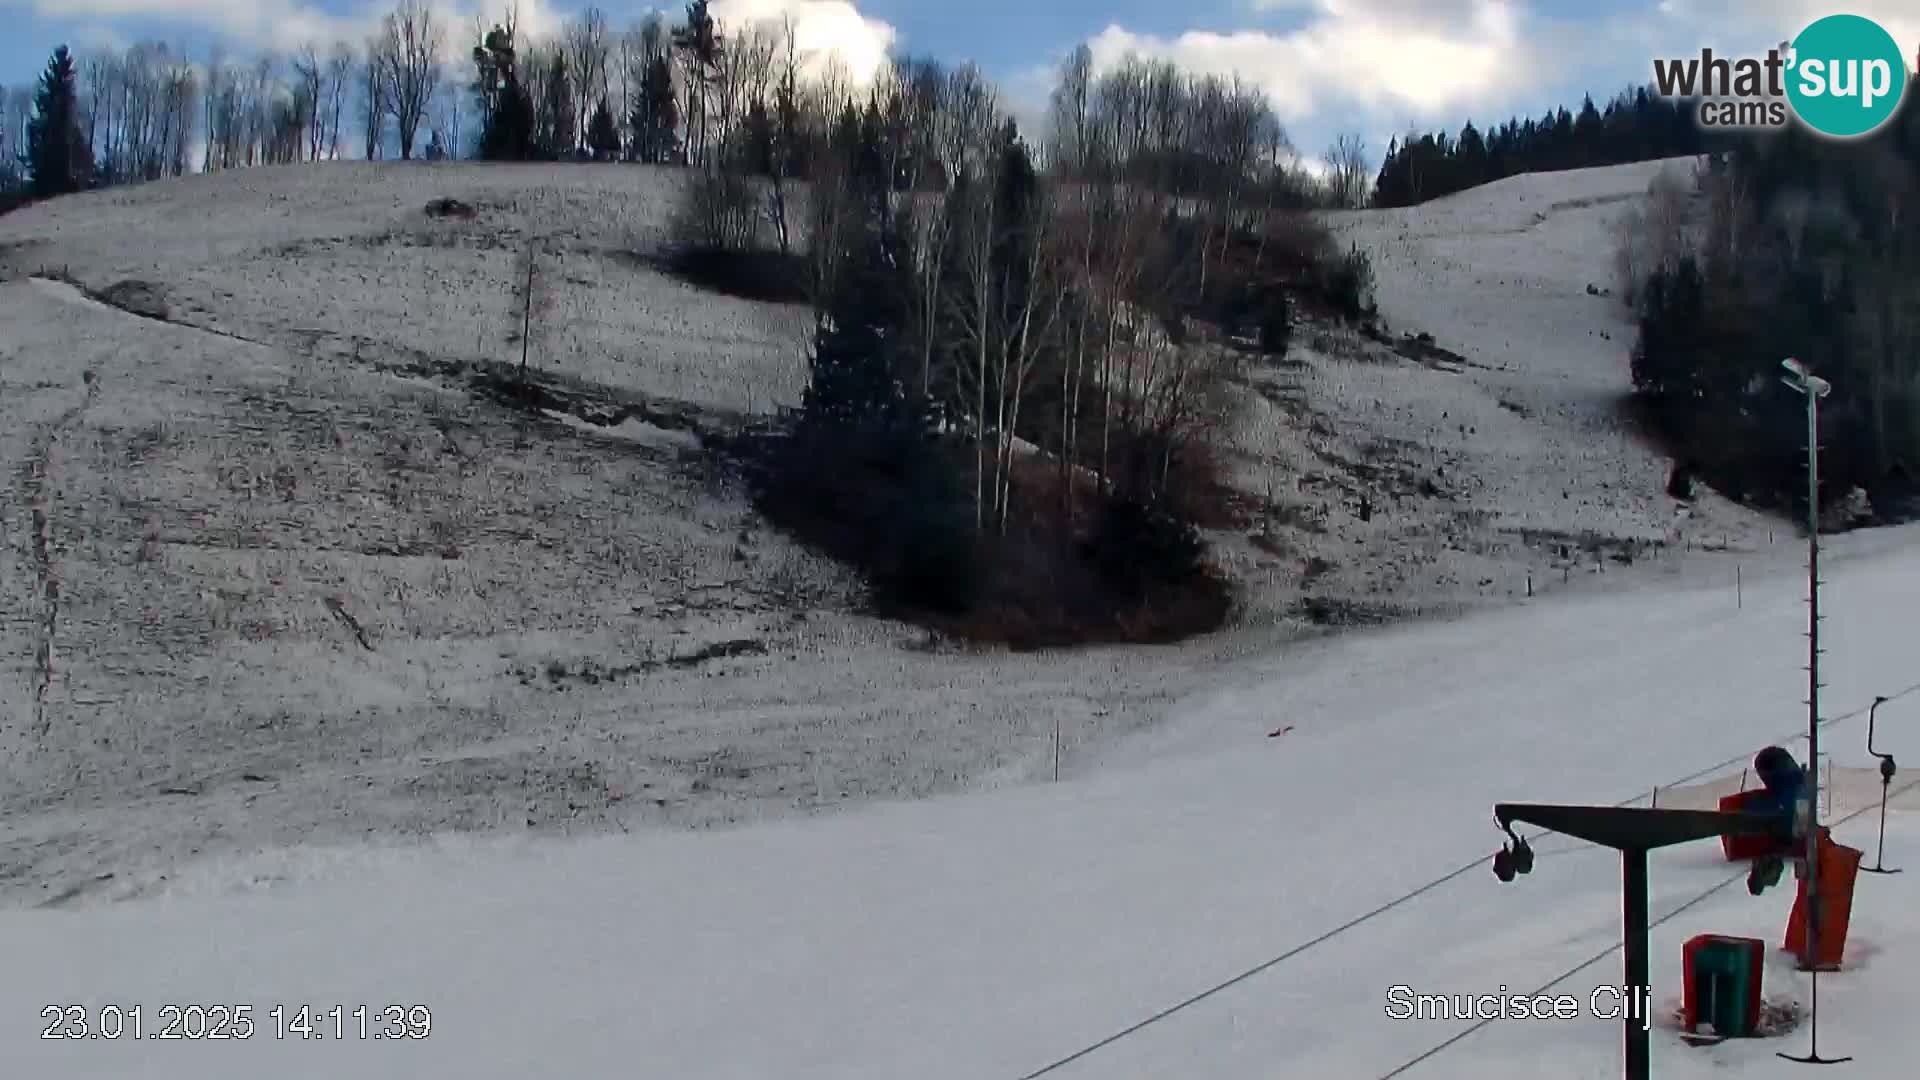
(1375, 67)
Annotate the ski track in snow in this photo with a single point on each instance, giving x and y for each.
(39, 490)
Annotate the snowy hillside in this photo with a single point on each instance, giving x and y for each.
(314, 656)
(989, 935)
(1444, 477)
(273, 575)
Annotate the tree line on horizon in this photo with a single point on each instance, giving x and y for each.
(655, 92)
(1637, 125)
(152, 111)
(652, 93)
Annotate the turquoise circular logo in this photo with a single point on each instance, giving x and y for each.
(1846, 76)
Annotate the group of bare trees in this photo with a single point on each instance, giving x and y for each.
(404, 61)
(140, 110)
(152, 110)
(1069, 286)
(1039, 298)
(1349, 177)
(16, 108)
(687, 92)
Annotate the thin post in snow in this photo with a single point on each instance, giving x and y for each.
(1656, 796)
(1056, 748)
(1529, 584)
(1739, 591)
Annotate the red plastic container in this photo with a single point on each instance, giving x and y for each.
(1739, 848)
(1839, 869)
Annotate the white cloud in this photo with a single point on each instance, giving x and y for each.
(820, 28)
(271, 23)
(1313, 166)
(1781, 19)
(1775, 20)
(1426, 57)
(1024, 96)
(288, 24)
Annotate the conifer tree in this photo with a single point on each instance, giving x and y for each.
(603, 136)
(58, 156)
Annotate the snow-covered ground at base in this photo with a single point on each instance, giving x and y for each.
(993, 933)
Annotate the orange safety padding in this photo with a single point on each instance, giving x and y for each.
(1739, 848)
(1839, 870)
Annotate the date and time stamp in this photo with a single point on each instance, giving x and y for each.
(215, 1023)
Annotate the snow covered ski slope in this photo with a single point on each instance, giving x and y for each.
(988, 935)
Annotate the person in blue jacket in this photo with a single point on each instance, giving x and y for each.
(1783, 783)
(1782, 779)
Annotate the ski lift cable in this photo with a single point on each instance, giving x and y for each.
(1251, 972)
(1374, 913)
(1457, 1037)
(1797, 735)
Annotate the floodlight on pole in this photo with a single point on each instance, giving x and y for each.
(1813, 388)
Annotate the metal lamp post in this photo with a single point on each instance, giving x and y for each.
(1813, 388)
(1886, 780)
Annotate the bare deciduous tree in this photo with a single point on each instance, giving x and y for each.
(741, 76)
(1071, 115)
(11, 149)
(340, 64)
(783, 132)
(1033, 311)
(1348, 173)
(309, 76)
(587, 46)
(699, 46)
(1653, 234)
(96, 74)
(411, 42)
(373, 96)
